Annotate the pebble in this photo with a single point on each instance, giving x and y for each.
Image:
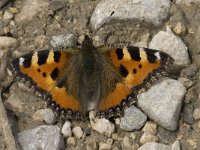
(190, 71)
(13, 103)
(179, 29)
(154, 146)
(196, 114)
(176, 145)
(30, 9)
(163, 101)
(71, 141)
(7, 15)
(133, 119)
(3, 2)
(115, 136)
(40, 41)
(188, 110)
(77, 131)
(150, 127)
(46, 115)
(153, 11)
(173, 45)
(109, 141)
(66, 129)
(42, 137)
(148, 137)
(193, 143)
(186, 82)
(126, 142)
(56, 5)
(7, 42)
(166, 136)
(63, 40)
(103, 126)
(104, 146)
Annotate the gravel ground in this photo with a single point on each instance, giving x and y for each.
(172, 121)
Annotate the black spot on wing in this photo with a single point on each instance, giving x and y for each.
(123, 71)
(119, 53)
(27, 60)
(139, 66)
(134, 52)
(61, 84)
(42, 57)
(134, 71)
(54, 73)
(57, 56)
(151, 57)
(44, 74)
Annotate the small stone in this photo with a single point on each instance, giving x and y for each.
(148, 137)
(133, 119)
(7, 42)
(193, 143)
(135, 147)
(150, 127)
(13, 10)
(176, 145)
(163, 101)
(103, 126)
(63, 40)
(104, 146)
(154, 146)
(7, 15)
(42, 137)
(46, 115)
(71, 141)
(115, 136)
(172, 45)
(66, 129)
(166, 136)
(196, 114)
(126, 142)
(56, 5)
(23, 87)
(133, 136)
(77, 131)
(179, 29)
(188, 110)
(109, 141)
(198, 124)
(186, 82)
(13, 103)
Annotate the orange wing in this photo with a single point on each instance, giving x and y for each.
(40, 70)
(138, 67)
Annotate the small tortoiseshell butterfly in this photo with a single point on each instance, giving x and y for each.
(105, 79)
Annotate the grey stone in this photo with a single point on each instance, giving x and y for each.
(13, 103)
(3, 2)
(173, 45)
(42, 137)
(133, 119)
(188, 110)
(151, 11)
(154, 146)
(6, 42)
(56, 5)
(63, 40)
(166, 136)
(163, 101)
(189, 71)
(176, 145)
(46, 115)
(77, 131)
(30, 9)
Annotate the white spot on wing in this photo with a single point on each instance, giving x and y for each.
(21, 60)
(157, 54)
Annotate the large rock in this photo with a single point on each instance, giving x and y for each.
(173, 45)
(42, 137)
(163, 101)
(151, 11)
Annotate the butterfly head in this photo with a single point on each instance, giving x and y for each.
(87, 43)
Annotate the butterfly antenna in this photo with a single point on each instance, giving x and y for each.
(103, 23)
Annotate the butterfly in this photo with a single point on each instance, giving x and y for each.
(105, 79)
